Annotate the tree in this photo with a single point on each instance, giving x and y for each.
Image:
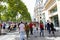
(15, 6)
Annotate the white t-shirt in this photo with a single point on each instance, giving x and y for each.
(22, 26)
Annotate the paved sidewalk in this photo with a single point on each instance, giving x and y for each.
(47, 36)
(16, 36)
(9, 36)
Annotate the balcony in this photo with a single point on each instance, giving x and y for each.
(45, 2)
(49, 3)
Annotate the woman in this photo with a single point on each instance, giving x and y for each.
(27, 29)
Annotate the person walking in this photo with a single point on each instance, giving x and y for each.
(0, 28)
(27, 29)
(31, 28)
(52, 28)
(41, 29)
(45, 25)
(48, 26)
(14, 28)
(22, 31)
(35, 30)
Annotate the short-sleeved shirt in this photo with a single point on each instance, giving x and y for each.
(22, 26)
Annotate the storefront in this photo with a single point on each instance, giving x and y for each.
(55, 20)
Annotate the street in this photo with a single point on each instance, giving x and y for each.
(47, 36)
(20, 17)
(15, 36)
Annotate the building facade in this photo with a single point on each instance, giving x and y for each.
(38, 9)
(51, 11)
(48, 10)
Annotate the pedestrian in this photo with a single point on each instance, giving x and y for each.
(31, 28)
(41, 29)
(3, 25)
(52, 28)
(9, 28)
(37, 26)
(34, 30)
(27, 29)
(48, 26)
(0, 28)
(45, 25)
(22, 31)
(14, 26)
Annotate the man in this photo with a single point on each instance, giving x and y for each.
(41, 29)
(22, 31)
(48, 26)
(52, 28)
(31, 28)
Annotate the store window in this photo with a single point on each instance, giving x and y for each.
(55, 20)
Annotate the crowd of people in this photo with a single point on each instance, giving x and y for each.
(7, 27)
(32, 29)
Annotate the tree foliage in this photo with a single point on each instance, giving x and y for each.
(15, 6)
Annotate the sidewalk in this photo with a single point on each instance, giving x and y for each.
(47, 36)
(16, 36)
(57, 28)
(9, 36)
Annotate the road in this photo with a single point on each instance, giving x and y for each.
(15, 36)
(46, 37)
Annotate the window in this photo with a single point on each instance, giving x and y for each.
(55, 20)
(53, 10)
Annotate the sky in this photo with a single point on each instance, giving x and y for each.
(30, 5)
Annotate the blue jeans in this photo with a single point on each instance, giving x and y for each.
(41, 32)
(35, 32)
(22, 35)
(49, 31)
